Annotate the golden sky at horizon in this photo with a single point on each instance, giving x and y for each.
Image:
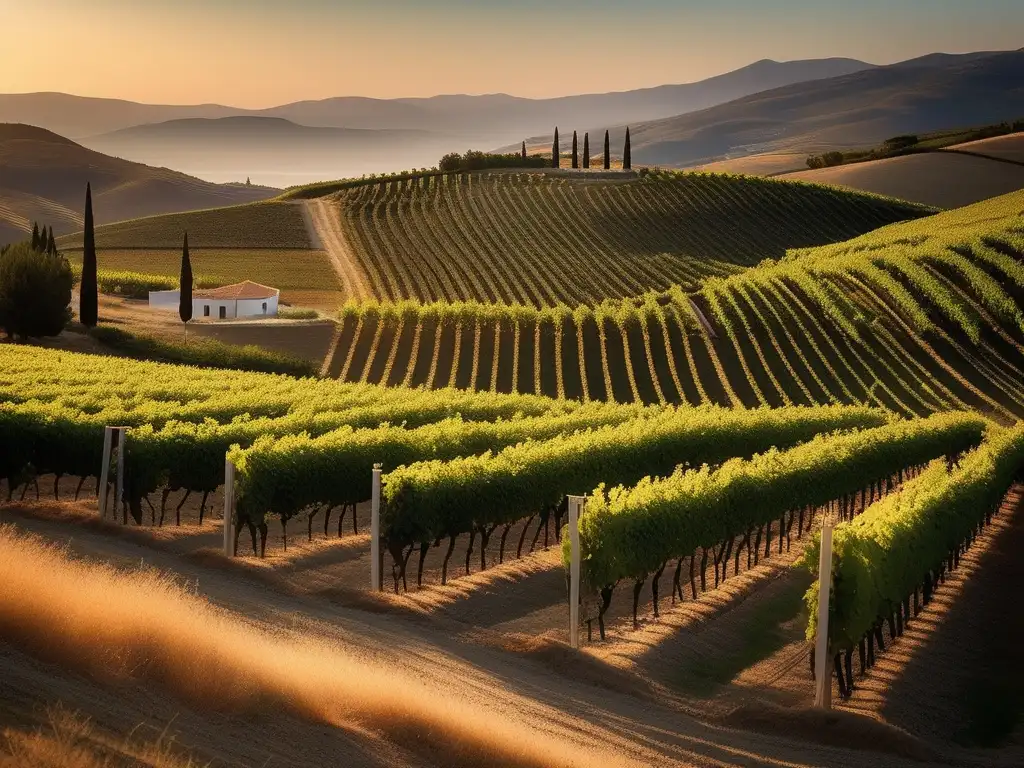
(261, 53)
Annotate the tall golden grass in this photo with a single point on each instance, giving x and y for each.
(142, 624)
(69, 741)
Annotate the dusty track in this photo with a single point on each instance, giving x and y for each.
(548, 693)
(325, 232)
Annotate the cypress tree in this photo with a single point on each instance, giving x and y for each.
(586, 150)
(35, 236)
(185, 285)
(51, 244)
(88, 300)
(554, 150)
(524, 150)
(575, 152)
(607, 152)
(627, 160)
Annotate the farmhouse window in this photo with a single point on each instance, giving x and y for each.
(206, 310)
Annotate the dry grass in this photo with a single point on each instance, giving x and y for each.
(1006, 147)
(941, 179)
(759, 165)
(70, 741)
(159, 631)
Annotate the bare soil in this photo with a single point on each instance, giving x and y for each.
(737, 665)
(573, 701)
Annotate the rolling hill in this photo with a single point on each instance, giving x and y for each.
(864, 107)
(944, 179)
(43, 177)
(545, 238)
(539, 238)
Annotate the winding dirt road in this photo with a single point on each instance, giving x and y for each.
(325, 233)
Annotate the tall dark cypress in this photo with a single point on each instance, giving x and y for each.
(35, 236)
(88, 299)
(554, 150)
(51, 244)
(575, 152)
(607, 152)
(185, 285)
(586, 150)
(524, 150)
(627, 160)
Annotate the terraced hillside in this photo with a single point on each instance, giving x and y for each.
(542, 239)
(918, 316)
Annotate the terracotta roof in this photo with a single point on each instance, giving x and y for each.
(243, 290)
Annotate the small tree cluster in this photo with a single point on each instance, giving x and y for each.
(42, 240)
(627, 160)
(35, 291)
(475, 160)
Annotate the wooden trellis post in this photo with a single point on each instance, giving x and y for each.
(229, 507)
(375, 578)
(575, 507)
(822, 660)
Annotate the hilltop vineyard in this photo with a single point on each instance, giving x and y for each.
(917, 317)
(541, 239)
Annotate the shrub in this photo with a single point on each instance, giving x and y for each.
(289, 313)
(474, 160)
(35, 292)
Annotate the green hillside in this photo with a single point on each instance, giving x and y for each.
(547, 238)
(270, 224)
(918, 316)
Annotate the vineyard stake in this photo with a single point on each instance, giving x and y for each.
(822, 671)
(122, 433)
(375, 530)
(575, 505)
(229, 506)
(101, 490)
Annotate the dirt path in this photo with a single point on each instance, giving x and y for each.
(325, 233)
(551, 691)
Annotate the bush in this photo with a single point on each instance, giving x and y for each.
(290, 313)
(900, 142)
(202, 352)
(35, 292)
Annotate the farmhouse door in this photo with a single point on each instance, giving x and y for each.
(223, 312)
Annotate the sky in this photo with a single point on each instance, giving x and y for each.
(261, 53)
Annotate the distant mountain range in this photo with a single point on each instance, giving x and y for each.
(282, 146)
(43, 178)
(80, 117)
(798, 106)
(857, 109)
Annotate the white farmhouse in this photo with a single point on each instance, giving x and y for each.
(245, 299)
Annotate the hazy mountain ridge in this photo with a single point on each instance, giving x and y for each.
(862, 108)
(43, 177)
(80, 117)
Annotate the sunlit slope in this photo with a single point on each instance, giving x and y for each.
(541, 239)
(919, 316)
(270, 224)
